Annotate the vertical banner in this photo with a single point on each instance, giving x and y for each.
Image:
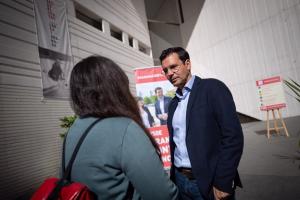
(54, 47)
(271, 94)
(155, 92)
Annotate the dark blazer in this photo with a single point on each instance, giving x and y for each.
(214, 136)
(167, 101)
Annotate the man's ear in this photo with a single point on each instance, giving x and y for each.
(188, 63)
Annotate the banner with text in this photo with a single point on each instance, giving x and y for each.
(54, 47)
(271, 94)
(147, 80)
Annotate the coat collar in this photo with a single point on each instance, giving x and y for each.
(191, 102)
(175, 100)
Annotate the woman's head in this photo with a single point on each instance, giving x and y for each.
(100, 88)
(140, 101)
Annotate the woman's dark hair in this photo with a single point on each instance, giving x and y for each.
(182, 53)
(100, 88)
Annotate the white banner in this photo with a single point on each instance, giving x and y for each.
(54, 47)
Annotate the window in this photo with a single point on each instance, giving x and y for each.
(88, 18)
(143, 48)
(116, 33)
(131, 41)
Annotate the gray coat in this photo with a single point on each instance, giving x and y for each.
(115, 152)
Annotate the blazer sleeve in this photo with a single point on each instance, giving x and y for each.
(232, 141)
(143, 167)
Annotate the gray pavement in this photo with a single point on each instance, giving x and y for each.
(270, 168)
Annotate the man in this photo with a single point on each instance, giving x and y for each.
(161, 106)
(206, 138)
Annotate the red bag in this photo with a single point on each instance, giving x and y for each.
(64, 188)
(72, 191)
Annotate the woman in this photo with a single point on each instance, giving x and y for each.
(118, 152)
(145, 113)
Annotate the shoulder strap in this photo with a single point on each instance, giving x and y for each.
(67, 171)
(66, 178)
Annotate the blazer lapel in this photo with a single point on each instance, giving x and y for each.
(171, 111)
(191, 101)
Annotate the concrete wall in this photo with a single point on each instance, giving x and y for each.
(241, 41)
(29, 141)
(163, 33)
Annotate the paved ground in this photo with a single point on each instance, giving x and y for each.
(269, 168)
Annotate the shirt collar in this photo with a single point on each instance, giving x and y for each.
(190, 83)
(186, 89)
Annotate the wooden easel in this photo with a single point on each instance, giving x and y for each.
(276, 127)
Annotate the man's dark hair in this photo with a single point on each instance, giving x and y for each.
(100, 88)
(182, 53)
(157, 88)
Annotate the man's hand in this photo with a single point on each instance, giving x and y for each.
(165, 116)
(219, 195)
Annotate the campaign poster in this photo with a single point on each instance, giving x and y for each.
(154, 93)
(271, 94)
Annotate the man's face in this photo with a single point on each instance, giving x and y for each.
(177, 72)
(159, 93)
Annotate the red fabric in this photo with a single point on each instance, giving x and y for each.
(73, 191)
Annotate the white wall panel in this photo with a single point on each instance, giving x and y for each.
(128, 15)
(16, 17)
(241, 41)
(82, 36)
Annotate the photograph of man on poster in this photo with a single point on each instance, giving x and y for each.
(161, 105)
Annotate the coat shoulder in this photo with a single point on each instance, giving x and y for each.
(212, 84)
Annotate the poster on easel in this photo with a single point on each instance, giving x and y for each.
(154, 93)
(271, 99)
(271, 94)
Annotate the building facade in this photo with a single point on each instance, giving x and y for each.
(30, 145)
(236, 41)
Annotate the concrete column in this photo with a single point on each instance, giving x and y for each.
(135, 43)
(106, 27)
(125, 38)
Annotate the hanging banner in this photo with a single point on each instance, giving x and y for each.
(54, 47)
(154, 93)
(271, 94)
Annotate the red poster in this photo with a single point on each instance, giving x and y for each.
(154, 92)
(161, 135)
